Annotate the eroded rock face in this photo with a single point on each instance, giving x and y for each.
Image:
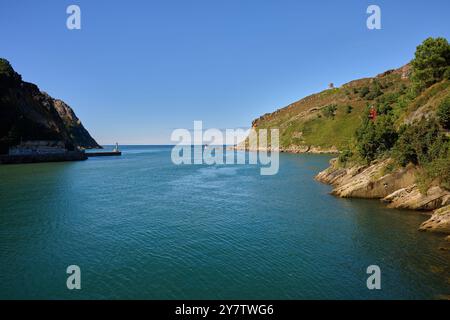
(411, 198)
(366, 181)
(397, 189)
(439, 222)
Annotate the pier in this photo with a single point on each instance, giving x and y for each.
(115, 152)
(49, 151)
(103, 154)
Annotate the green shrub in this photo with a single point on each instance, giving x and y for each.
(363, 92)
(384, 109)
(330, 111)
(345, 156)
(439, 169)
(443, 113)
(420, 143)
(348, 109)
(375, 138)
(374, 92)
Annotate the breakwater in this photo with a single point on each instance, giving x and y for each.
(50, 157)
(103, 154)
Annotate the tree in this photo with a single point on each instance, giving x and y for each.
(431, 62)
(375, 138)
(420, 143)
(443, 113)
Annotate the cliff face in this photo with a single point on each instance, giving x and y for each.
(26, 113)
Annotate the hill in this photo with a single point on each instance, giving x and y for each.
(391, 130)
(328, 120)
(26, 113)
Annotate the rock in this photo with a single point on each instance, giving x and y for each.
(291, 149)
(26, 113)
(411, 198)
(397, 189)
(439, 221)
(366, 181)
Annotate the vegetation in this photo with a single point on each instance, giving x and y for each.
(421, 143)
(330, 111)
(443, 113)
(431, 63)
(348, 109)
(345, 156)
(5, 66)
(401, 98)
(375, 138)
(7, 73)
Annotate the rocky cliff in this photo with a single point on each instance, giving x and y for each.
(26, 113)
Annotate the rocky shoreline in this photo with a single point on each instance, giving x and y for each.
(291, 149)
(398, 189)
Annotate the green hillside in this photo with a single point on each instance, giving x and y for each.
(331, 117)
(412, 106)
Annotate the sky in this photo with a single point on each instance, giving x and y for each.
(137, 70)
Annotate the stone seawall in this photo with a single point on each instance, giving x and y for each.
(35, 158)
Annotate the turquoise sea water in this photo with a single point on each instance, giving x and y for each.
(140, 227)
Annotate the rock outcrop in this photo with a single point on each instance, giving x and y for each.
(365, 181)
(26, 113)
(412, 198)
(397, 189)
(439, 222)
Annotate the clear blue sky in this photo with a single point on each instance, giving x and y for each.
(138, 69)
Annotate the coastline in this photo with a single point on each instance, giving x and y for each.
(291, 149)
(46, 157)
(397, 189)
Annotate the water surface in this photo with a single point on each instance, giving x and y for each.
(140, 227)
